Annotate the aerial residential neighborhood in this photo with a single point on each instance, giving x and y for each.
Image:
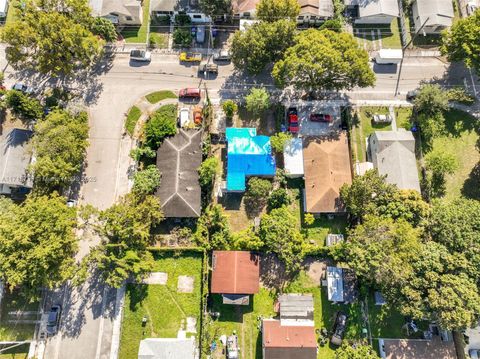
(239, 179)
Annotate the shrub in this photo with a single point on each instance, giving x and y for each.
(459, 94)
(258, 100)
(146, 182)
(104, 28)
(278, 198)
(23, 105)
(139, 152)
(258, 189)
(160, 125)
(229, 107)
(207, 171)
(182, 38)
(182, 19)
(278, 141)
(333, 25)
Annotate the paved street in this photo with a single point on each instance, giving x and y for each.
(86, 327)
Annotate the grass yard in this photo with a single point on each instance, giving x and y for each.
(165, 307)
(132, 118)
(376, 36)
(138, 34)
(402, 116)
(9, 329)
(460, 142)
(158, 96)
(159, 40)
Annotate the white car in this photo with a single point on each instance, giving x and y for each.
(184, 117)
(474, 353)
(382, 119)
(140, 55)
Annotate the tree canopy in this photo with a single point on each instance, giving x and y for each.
(213, 231)
(279, 232)
(355, 351)
(126, 231)
(160, 125)
(324, 60)
(258, 100)
(53, 37)
(146, 181)
(273, 10)
(37, 243)
(60, 144)
(261, 44)
(207, 171)
(462, 41)
(105, 29)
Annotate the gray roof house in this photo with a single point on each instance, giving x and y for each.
(296, 309)
(168, 348)
(14, 160)
(178, 159)
(374, 11)
(393, 154)
(438, 15)
(168, 7)
(119, 12)
(315, 11)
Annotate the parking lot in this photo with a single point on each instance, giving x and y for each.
(311, 128)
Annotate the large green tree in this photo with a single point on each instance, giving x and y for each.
(52, 37)
(257, 101)
(126, 231)
(440, 163)
(462, 41)
(324, 60)
(431, 100)
(261, 44)
(146, 181)
(215, 8)
(279, 232)
(37, 243)
(213, 231)
(160, 125)
(273, 10)
(356, 351)
(60, 143)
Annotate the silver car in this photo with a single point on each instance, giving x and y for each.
(223, 55)
(140, 55)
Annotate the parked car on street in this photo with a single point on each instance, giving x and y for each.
(292, 117)
(382, 118)
(339, 329)
(23, 88)
(190, 57)
(53, 319)
(189, 93)
(320, 117)
(205, 67)
(140, 55)
(223, 55)
(474, 353)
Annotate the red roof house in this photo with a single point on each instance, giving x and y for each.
(235, 275)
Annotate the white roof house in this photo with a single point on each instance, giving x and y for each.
(335, 284)
(120, 12)
(437, 14)
(393, 154)
(293, 158)
(374, 11)
(168, 348)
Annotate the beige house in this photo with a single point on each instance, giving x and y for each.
(119, 12)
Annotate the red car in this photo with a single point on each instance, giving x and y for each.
(320, 117)
(190, 93)
(292, 117)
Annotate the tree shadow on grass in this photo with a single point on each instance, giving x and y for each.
(471, 187)
(137, 294)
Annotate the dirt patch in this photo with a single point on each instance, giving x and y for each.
(185, 284)
(315, 269)
(272, 272)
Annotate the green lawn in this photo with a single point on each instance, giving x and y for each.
(159, 40)
(138, 34)
(158, 96)
(11, 331)
(164, 307)
(389, 35)
(12, 14)
(460, 142)
(403, 115)
(132, 118)
(366, 117)
(325, 311)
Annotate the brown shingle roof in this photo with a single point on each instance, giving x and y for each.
(285, 342)
(235, 272)
(326, 161)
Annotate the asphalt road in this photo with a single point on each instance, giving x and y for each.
(86, 327)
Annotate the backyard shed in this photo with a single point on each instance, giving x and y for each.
(235, 275)
(178, 159)
(296, 309)
(248, 154)
(293, 158)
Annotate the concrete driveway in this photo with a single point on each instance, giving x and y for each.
(311, 128)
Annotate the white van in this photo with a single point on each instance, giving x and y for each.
(389, 56)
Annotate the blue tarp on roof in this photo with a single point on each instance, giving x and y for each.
(248, 155)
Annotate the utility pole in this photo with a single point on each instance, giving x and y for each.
(403, 55)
